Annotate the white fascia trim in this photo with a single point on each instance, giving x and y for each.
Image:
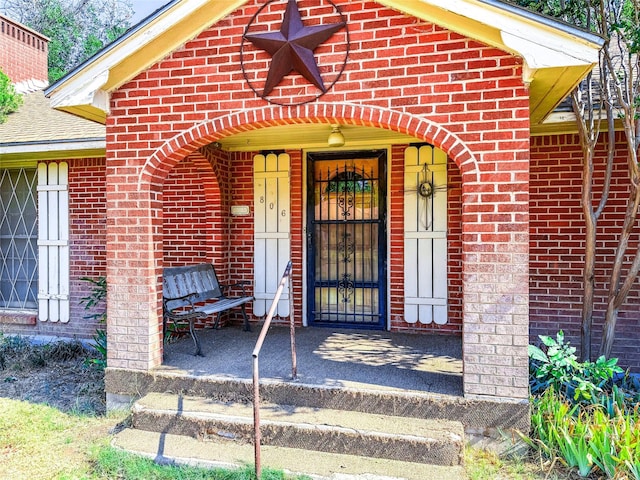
(537, 56)
(570, 117)
(540, 45)
(40, 147)
(89, 93)
(560, 117)
(85, 87)
(543, 46)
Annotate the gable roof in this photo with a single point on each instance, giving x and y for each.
(556, 55)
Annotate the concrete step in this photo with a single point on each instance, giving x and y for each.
(436, 442)
(479, 417)
(180, 449)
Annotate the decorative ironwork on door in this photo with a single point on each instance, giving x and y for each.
(346, 235)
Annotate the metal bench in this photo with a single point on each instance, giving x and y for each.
(193, 292)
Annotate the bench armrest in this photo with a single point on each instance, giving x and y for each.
(240, 284)
(188, 297)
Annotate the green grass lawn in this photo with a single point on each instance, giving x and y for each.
(41, 442)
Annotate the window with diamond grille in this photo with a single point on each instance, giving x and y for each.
(18, 239)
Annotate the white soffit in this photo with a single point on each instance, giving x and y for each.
(64, 149)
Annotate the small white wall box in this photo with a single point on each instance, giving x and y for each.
(240, 210)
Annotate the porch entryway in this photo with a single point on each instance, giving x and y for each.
(345, 375)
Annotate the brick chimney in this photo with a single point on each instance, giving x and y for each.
(23, 52)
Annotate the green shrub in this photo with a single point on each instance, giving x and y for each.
(558, 367)
(94, 303)
(555, 368)
(100, 344)
(585, 414)
(10, 101)
(586, 439)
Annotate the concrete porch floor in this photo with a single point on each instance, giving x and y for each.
(357, 359)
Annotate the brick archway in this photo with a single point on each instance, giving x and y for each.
(206, 133)
(495, 242)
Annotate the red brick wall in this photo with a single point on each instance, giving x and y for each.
(297, 232)
(454, 248)
(219, 206)
(87, 232)
(191, 198)
(467, 86)
(240, 256)
(240, 249)
(23, 53)
(557, 251)
(396, 238)
(195, 214)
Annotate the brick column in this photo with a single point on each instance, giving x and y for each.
(496, 280)
(134, 253)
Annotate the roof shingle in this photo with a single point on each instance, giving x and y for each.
(36, 122)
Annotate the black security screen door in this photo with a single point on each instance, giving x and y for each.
(346, 235)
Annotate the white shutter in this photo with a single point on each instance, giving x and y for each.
(271, 230)
(53, 242)
(425, 236)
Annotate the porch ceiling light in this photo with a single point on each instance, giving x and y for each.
(336, 139)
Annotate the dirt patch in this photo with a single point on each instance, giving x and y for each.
(59, 374)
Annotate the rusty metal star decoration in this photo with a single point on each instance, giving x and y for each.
(292, 48)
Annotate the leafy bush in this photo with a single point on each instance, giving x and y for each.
(558, 367)
(585, 414)
(100, 339)
(555, 368)
(10, 101)
(96, 299)
(586, 439)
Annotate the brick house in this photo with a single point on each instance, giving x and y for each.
(52, 219)
(420, 180)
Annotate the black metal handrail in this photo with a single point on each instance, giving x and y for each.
(256, 374)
